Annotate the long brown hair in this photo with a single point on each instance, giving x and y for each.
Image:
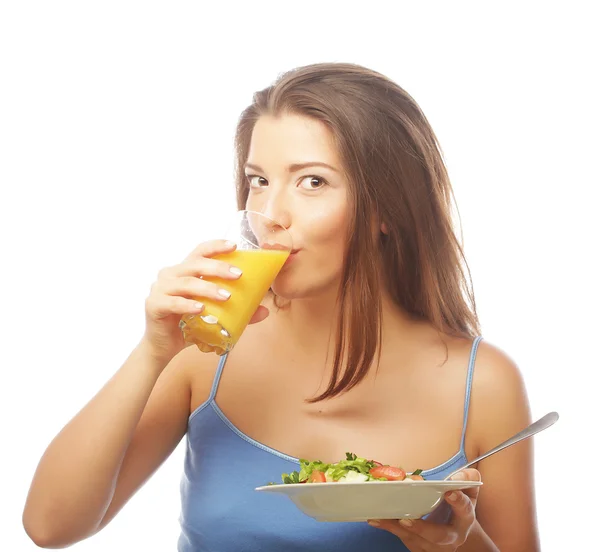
(397, 174)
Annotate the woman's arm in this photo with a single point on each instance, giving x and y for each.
(500, 408)
(109, 449)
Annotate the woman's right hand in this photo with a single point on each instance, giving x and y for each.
(179, 290)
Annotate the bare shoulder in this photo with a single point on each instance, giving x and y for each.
(497, 376)
(199, 370)
(500, 404)
(188, 364)
(192, 362)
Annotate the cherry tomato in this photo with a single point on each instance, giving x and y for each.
(317, 477)
(390, 473)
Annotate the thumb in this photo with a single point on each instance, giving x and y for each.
(261, 313)
(469, 474)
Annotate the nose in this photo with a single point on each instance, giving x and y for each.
(277, 208)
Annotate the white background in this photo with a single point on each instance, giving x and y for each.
(116, 129)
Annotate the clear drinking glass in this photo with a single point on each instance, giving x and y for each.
(263, 246)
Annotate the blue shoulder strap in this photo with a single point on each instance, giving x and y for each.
(476, 342)
(215, 385)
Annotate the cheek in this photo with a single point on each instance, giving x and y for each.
(325, 225)
(323, 233)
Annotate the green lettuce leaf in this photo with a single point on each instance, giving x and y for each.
(334, 472)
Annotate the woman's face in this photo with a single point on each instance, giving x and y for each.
(296, 178)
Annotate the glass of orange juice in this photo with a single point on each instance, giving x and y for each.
(263, 247)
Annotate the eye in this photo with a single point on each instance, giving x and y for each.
(256, 181)
(312, 182)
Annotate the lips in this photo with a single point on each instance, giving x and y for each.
(274, 247)
(291, 257)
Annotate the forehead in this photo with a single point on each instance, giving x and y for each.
(292, 138)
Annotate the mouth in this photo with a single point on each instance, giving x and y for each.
(274, 247)
(291, 257)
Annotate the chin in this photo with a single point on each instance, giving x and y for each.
(288, 292)
(289, 286)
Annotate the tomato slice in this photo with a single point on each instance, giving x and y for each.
(377, 464)
(390, 473)
(317, 477)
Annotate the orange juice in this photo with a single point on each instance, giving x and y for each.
(219, 326)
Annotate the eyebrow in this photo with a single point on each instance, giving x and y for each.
(295, 167)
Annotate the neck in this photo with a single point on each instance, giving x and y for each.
(314, 321)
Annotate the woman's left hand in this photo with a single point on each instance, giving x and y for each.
(426, 536)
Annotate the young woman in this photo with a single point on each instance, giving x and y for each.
(369, 342)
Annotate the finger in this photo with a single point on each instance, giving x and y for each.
(463, 509)
(409, 537)
(211, 248)
(165, 305)
(432, 533)
(206, 268)
(193, 288)
(441, 514)
(260, 314)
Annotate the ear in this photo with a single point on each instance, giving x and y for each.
(384, 228)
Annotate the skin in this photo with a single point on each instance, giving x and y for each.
(409, 413)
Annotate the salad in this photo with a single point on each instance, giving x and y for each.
(351, 470)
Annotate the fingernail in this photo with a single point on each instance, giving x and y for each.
(406, 522)
(224, 293)
(452, 496)
(460, 476)
(230, 244)
(198, 306)
(374, 523)
(235, 271)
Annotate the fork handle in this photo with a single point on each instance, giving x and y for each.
(543, 423)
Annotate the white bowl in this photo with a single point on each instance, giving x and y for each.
(368, 500)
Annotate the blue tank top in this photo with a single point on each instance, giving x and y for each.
(221, 511)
